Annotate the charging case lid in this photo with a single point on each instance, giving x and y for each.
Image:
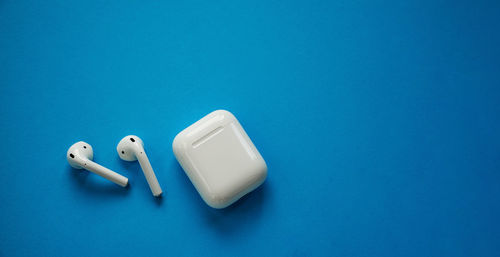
(219, 158)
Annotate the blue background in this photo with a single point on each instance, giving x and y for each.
(379, 122)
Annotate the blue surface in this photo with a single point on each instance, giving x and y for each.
(379, 122)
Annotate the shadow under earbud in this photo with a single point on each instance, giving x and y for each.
(91, 185)
(158, 200)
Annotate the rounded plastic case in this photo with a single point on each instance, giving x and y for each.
(220, 159)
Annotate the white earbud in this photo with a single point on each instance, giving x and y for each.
(131, 148)
(80, 156)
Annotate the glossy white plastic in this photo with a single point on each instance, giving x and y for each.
(80, 156)
(220, 159)
(131, 148)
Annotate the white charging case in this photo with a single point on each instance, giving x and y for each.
(220, 159)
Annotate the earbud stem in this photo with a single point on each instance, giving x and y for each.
(149, 173)
(105, 173)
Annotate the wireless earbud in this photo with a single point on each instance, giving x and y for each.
(80, 156)
(131, 148)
